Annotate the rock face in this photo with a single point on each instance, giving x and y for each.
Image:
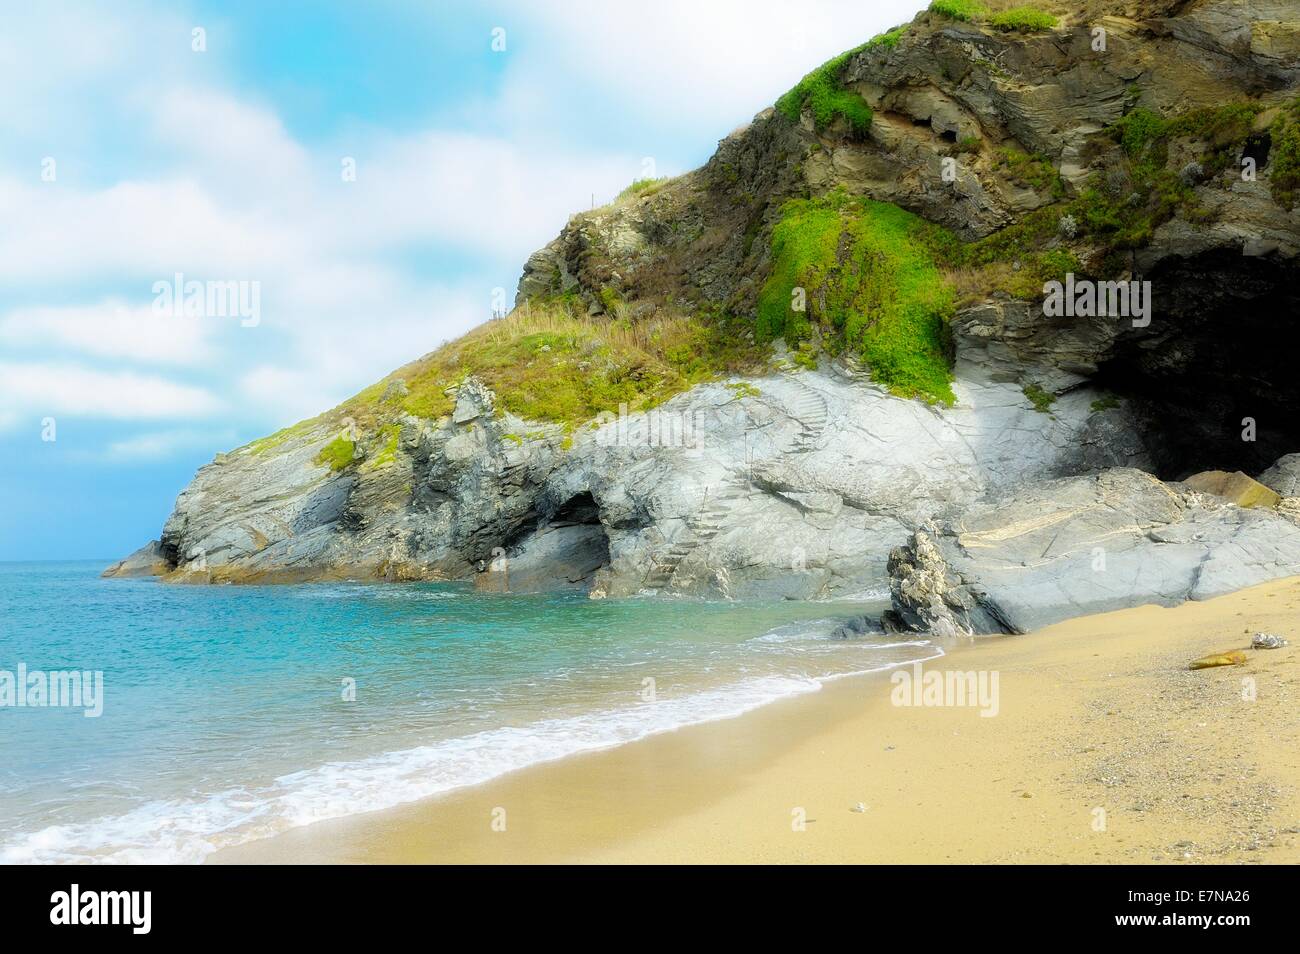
(834, 471)
(1046, 490)
(1283, 477)
(147, 561)
(1091, 544)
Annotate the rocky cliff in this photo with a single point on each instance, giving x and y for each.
(838, 340)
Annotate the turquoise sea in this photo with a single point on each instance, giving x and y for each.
(227, 714)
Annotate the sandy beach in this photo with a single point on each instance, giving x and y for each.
(1105, 748)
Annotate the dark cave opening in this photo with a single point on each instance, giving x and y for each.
(579, 509)
(1214, 375)
(1258, 148)
(559, 549)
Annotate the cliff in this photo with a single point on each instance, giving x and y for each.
(832, 341)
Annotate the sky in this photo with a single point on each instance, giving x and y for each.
(335, 188)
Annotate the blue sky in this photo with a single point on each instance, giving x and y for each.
(128, 156)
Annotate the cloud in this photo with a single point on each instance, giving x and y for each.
(110, 329)
(240, 145)
(154, 445)
(474, 192)
(56, 388)
(285, 395)
(709, 65)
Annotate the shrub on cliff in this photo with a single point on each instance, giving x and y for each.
(864, 276)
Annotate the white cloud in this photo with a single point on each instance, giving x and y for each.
(473, 192)
(711, 65)
(154, 445)
(56, 388)
(110, 329)
(239, 146)
(141, 230)
(283, 396)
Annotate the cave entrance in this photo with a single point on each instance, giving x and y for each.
(580, 509)
(1217, 366)
(562, 549)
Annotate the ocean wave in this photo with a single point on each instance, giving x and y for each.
(188, 830)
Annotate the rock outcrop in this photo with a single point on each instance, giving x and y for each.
(1047, 488)
(1091, 544)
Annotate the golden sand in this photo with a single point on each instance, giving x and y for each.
(1105, 748)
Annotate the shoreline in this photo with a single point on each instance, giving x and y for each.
(1105, 749)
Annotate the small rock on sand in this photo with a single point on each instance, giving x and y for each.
(1234, 658)
(1267, 641)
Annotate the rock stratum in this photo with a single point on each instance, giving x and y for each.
(837, 372)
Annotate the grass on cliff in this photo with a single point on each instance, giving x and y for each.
(1284, 179)
(867, 275)
(643, 187)
(1023, 19)
(550, 362)
(338, 453)
(826, 99)
(959, 9)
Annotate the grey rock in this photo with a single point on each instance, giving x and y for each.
(1284, 476)
(856, 628)
(147, 561)
(1091, 544)
(1267, 641)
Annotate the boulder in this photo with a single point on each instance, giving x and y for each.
(147, 561)
(1284, 476)
(1236, 487)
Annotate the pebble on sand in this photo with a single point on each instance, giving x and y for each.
(1234, 658)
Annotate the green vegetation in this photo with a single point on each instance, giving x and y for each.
(1023, 20)
(264, 445)
(1117, 210)
(387, 453)
(871, 283)
(822, 93)
(610, 299)
(1142, 191)
(805, 356)
(959, 9)
(549, 361)
(846, 255)
(967, 144)
(1040, 399)
(743, 389)
(888, 40)
(338, 453)
(1030, 171)
(643, 187)
(1107, 403)
(1284, 180)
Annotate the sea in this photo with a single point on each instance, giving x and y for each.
(232, 713)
